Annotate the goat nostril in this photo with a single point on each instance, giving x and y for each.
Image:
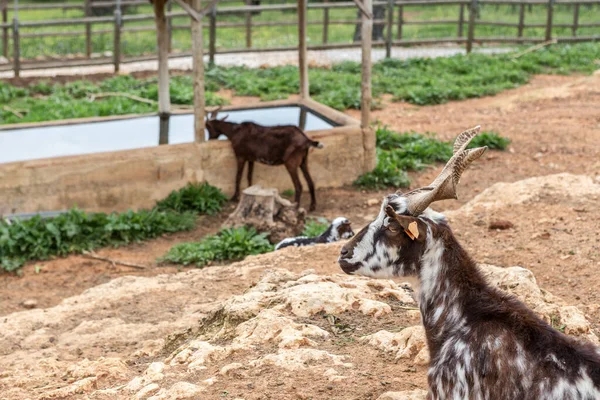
(344, 251)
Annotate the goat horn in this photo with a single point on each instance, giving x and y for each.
(444, 186)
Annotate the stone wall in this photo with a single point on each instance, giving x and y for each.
(121, 180)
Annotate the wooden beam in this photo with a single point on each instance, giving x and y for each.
(208, 9)
(302, 50)
(364, 9)
(162, 39)
(365, 101)
(198, 75)
(189, 9)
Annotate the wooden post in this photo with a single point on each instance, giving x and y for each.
(117, 38)
(471, 28)
(16, 47)
(302, 118)
(88, 29)
(248, 26)
(302, 49)
(162, 40)
(400, 18)
(170, 26)
(5, 29)
(461, 20)
(198, 75)
(575, 19)
(390, 28)
(365, 101)
(212, 36)
(521, 20)
(325, 23)
(549, 20)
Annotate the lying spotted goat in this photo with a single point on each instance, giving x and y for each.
(339, 229)
(484, 344)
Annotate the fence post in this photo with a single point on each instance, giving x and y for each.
(248, 26)
(390, 27)
(212, 36)
(5, 29)
(325, 23)
(549, 20)
(170, 26)
(471, 29)
(88, 29)
(17, 47)
(575, 19)
(461, 20)
(521, 20)
(117, 37)
(400, 21)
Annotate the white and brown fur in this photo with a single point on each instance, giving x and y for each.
(484, 344)
(339, 229)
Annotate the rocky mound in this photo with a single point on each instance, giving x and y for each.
(292, 334)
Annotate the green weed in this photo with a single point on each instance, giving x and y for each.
(195, 197)
(77, 231)
(228, 244)
(315, 227)
(490, 139)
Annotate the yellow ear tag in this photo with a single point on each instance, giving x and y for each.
(412, 231)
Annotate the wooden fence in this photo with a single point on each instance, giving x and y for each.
(468, 20)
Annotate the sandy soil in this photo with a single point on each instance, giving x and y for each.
(554, 125)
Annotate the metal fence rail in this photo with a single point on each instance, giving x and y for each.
(394, 19)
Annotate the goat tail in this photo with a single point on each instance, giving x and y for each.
(316, 144)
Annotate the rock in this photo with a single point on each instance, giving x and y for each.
(500, 224)
(406, 344)
(300, 359)
(147, 391)
(373, 202)
(180, 390)
(29, 304)
(405, 395)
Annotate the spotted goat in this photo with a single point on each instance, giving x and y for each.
(339, 229)
(483, 343)
(272, 145)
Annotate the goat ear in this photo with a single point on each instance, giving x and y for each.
(413, 227)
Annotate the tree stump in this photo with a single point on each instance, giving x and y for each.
(266, 211)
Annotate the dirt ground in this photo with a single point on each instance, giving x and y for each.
(554, 125)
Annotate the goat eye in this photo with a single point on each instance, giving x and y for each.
(393, 230)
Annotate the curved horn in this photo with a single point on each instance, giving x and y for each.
(444, 186)
(215, 112)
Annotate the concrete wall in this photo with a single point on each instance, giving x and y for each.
(134, 179)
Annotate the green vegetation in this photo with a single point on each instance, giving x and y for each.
(420, 81)
(399, 153)
(195, 197)
(228, 244)
(77, 231)
(314, 227)
(490, 139)
(45, 101)
(141, 43)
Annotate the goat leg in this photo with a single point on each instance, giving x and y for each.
(250, 171)
(293, 170)
(238, 178)
(309, 181)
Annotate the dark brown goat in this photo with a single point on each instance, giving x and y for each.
(275, 145)
(483, 343)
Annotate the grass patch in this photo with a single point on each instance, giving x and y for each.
(399, 153)
(315, 227)
(421, 81)
(227, 245)
(490, 139)
(200, 198)
(77, 231)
